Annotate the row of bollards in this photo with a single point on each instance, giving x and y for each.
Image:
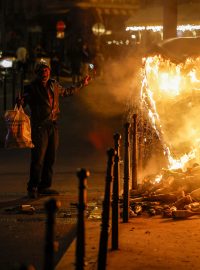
(113, 167)
(111, 198)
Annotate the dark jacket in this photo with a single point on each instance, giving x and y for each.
(36, 97)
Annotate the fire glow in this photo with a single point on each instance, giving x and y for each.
(170, 94)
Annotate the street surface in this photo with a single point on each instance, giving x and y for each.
(87, 123)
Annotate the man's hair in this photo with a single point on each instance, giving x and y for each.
(40, 65)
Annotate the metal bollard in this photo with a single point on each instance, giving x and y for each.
(134, 153)
(51, 207)
(80, 242)
(5, 91)
(141, 143)
(103, 244)
(115, 199)
(126, 173)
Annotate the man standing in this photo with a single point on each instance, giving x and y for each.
(42, 97)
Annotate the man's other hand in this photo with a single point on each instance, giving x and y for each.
(86, 80)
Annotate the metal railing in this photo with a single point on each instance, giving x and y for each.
(11, 84)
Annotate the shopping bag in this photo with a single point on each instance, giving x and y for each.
(18, 129)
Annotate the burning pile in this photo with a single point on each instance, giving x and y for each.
(173, 193)
(168, 121)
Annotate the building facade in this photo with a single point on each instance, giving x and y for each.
(97, 22)
(35, 22)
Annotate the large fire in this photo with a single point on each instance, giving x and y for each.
(170, 96)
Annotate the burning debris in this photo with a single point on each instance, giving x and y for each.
(167, 205)
(174, 193)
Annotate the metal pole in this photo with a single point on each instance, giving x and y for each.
(13, 87)
(5, 91)
(126, 173)
(103, 244)
(141, 144)
(134, 153)
(51, 207)
(115, 201)
(21, 82)
(170, 11)
(80, 242)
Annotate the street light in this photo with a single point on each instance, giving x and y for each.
(98, 29)
(6, 63)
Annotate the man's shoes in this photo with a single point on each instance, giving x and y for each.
(47, 191)
(32, 193)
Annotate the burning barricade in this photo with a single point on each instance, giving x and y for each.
(168, 130)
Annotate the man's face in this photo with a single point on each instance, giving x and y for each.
(44, 74)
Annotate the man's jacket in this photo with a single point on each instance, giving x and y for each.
(43, 108)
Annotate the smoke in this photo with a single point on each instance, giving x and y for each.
(116, 86)
(109, 97)
(154, 166)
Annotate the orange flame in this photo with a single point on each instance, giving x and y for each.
(169, 91)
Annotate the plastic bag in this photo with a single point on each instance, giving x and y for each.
(18, 129)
